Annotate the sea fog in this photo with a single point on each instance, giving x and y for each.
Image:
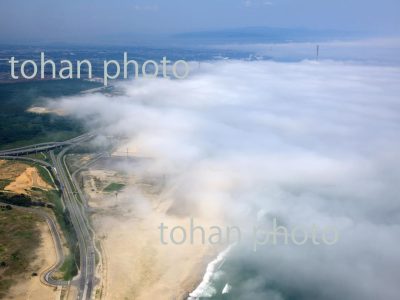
(306, 141)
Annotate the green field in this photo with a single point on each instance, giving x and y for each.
(19, 238)
(114, 187)
(19, 127)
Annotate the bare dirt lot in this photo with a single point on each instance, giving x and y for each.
(11, 169)
(45, 110)
(20, 178)
(27, 180)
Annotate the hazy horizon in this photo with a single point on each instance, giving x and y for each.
(124, 21)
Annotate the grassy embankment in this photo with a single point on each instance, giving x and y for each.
(69, 268)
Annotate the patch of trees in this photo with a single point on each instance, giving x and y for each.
(16, 124)
(22, 200)
(6, 207)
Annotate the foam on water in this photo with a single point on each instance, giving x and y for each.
(205, 288)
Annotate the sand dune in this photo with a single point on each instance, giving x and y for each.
(26, 181)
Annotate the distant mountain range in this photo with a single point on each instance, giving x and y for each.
(265, 34)
(198, 38)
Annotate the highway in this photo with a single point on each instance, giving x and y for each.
(78, 219)
(86, 277)
(43, 146)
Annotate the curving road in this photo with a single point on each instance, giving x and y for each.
(57, 243)
(48, 276)
(86, 276)
(79, 221)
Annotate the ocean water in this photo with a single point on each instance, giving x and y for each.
(228, 279)
(241, 276)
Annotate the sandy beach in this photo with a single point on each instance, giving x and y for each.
(136, 265)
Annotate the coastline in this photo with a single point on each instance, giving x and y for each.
(137, 264)
(205, 288)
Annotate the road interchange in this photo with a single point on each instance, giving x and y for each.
(85, 280)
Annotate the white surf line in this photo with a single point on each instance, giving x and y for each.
(203, 289)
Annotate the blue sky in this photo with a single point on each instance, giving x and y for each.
(89, 20)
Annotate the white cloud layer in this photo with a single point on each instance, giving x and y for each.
(308, 142)
(372, 50)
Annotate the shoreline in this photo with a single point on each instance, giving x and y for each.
(204, 289)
